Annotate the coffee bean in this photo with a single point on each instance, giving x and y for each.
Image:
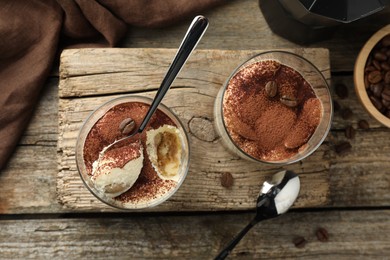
(386, 95)
(322, 234)
(376, 89)
(386, 103)
(374, 76)
(343, 148)
(299, 242)
(369, 68)
(341, 90)
(386, 41)
(227, 180)
(127, 126)
(388, 52)
(363, 124)
(380, 56)
(377, 64)
(376, 102)
(387, 113)
(271, 88)
(350, 132)
(366, 82)
(385, 66)
(387, 77)
(346, 113)
(289, 101)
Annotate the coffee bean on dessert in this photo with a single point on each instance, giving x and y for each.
(271, 88)
(341, 90)
(227, 180)
(363, 124)
(299, 242)
(127, 126)
(350, 132)
(322, 234)
(343, 148)
(374, 76)
(289, 101)
(346, 113)
(380, 56)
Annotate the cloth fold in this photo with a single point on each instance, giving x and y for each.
(32, 32)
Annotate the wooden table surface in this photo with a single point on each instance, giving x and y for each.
(35, 224)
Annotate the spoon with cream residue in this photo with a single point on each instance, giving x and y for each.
(275, 198)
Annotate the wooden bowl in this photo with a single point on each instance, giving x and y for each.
(359, 75)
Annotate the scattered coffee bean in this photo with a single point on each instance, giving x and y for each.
(350, 132)
(127, 126)
(346, 113)
(227, 180)
(322, 234)
(341, 90)
(271, 88)
(299, 242)
(289, 101)
(374, 76)
(343, 148)
(363, 124)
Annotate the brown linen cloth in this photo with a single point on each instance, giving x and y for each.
(31, 32)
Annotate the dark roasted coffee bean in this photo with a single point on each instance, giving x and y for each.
(388, 52)
(366, 82)
(350, 132)
(346, 113)
(227, 180)
(363, 124)
(341, 90)
(386, 41)
(380, 56)
(322, 234)
(343, 148)
(386, 94)
(374, 76)
(377, 64)
(385, 66)
(299, 242)
(377, 89)
(369, 68)
(387, 113)
(127, 126)
(289, 101)
(387, 77)
(376, 102)
(271, 88)
(386, 103)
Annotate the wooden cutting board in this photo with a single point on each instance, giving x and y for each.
(90, 77)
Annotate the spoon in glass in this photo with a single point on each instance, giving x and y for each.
(275, 198)
(192, 37)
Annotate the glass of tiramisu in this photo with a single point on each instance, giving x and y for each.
(275, 108)
(141, 172)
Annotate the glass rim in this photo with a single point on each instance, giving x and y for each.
(315, 147)
(81, 142)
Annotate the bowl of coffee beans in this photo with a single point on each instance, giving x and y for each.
(372, 76)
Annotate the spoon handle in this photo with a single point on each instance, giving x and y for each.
(225, 252)
(191, 39)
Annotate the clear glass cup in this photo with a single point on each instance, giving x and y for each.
(318, 83)
(91, 121)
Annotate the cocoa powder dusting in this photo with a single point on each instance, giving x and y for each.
(263, 126)
(148, 185)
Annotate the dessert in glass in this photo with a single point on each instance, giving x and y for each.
(137, 173)
(275, 108)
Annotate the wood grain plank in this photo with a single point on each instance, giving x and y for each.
(352, 235)
(240, 25)
(193, 98)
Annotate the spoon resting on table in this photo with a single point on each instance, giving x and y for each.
(275, 198)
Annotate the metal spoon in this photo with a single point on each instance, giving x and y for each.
(275, 198)
(194, 34)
